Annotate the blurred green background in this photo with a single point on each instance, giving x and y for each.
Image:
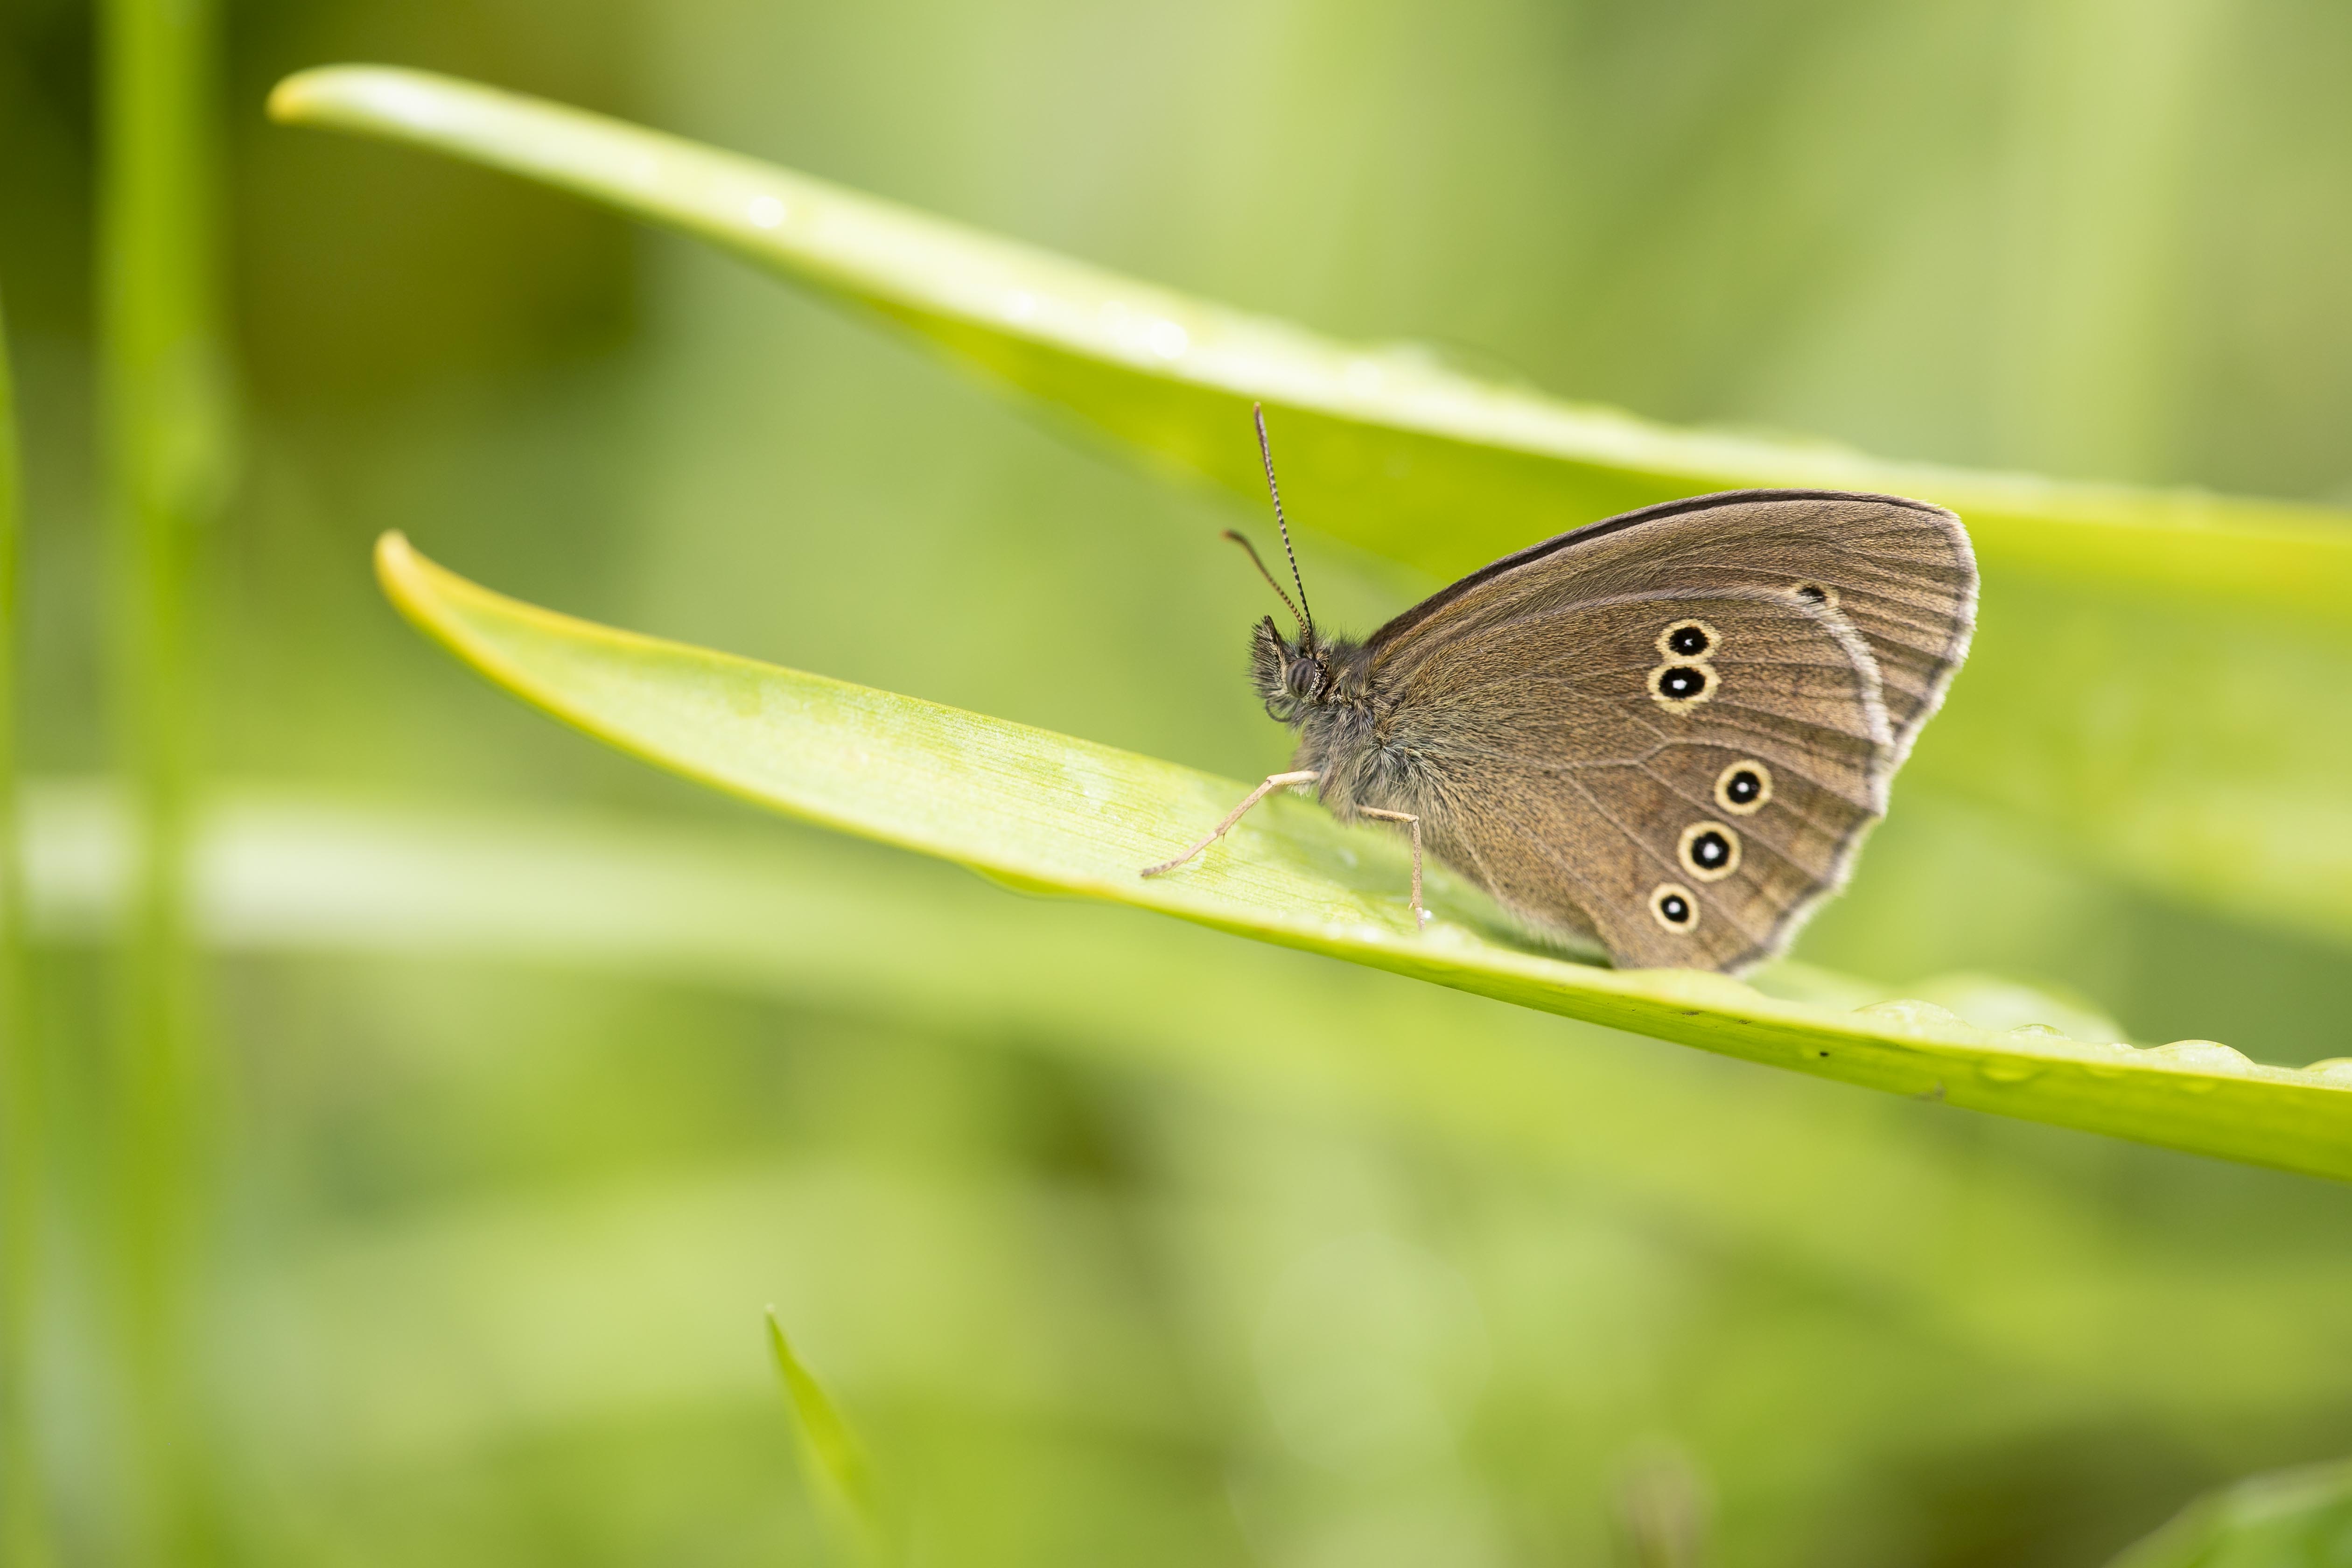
(1121, 1240)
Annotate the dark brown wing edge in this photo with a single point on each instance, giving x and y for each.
(1954, 655)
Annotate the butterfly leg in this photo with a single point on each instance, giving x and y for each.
(1420, 915)
(1274, 782)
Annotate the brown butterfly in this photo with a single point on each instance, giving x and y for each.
(1662, 736)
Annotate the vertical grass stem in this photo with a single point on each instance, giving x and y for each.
(167, 459)
(22, 1511)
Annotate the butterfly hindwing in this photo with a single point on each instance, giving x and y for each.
(1676, 775)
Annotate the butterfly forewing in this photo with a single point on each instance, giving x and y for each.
(1900, 573)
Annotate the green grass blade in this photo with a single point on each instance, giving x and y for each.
(835, 1461)
(818, 922)
(2295, 1518)
(2172, 752)
(1047, 813)
(1384, 445)
(23, 1511)
(168, 467)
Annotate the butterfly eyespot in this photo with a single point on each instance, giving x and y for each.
(1688, 640)
(1674, 906)
(1819, 593)
(1709, 851)
(1679, 687)
(1744, 789)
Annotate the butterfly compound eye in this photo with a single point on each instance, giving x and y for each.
(1744, 789)
(1674, 906)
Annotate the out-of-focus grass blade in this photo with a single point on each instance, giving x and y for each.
(1661, 1511)
(1387, 447)
(2296, 1519)
(169, 457)
(2202, 751)
(23, 1508)
(834, 1460)
(819, 923)
(1047, 813)
(2163, 679)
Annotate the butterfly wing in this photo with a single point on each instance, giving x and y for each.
(1676, 775)
(1899, 572)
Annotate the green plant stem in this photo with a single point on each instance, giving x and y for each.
(23, 1516)
(166, 460)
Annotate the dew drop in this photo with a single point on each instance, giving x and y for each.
(2203, 1056)
(1911, 1013)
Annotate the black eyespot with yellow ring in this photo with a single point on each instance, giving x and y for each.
(1675, 907)
(1708, 850)
(1744, 789)
(1689, 640)
(1679, 687)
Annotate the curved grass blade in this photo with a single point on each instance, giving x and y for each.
(2170, 752)
(2294, 1519)
(1386, 445)
(831, 1454)
(1048, 812)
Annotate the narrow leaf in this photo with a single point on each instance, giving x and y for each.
(1048, 812)
(1397, 451)
(835, 1462)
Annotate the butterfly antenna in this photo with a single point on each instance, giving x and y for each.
(1305, 612)
(1270, 580)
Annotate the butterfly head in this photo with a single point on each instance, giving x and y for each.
(1291, 675)
(1296, 675)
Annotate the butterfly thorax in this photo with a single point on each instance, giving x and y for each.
(1322, 687)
